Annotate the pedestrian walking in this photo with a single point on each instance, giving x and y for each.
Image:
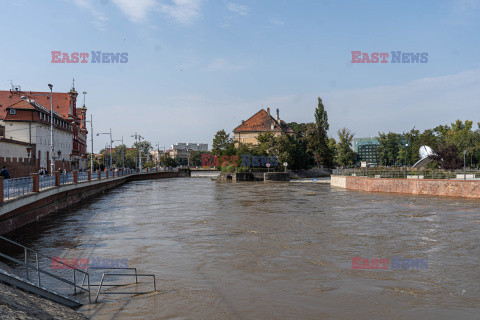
(4, 173)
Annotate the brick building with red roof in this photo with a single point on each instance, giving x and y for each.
(260, 122)
(19, 110)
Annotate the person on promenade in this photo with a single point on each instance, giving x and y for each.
(4, 173)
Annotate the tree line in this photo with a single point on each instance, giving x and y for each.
(311, 146)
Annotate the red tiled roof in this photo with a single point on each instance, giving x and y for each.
(22, 104)
(61, 100)
(262, 121)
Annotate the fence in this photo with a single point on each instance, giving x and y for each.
(17, 187)
(409, 173)
(82, 176)
(66, 178)
(46, 181)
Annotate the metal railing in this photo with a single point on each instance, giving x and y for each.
(17, 187)
(404, 173)
(46, 181)
(82, 176)
(66, 178)
(38, 271)
(105, 275)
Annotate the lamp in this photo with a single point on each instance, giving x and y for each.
(29, 149)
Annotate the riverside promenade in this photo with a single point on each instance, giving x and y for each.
(24, 200)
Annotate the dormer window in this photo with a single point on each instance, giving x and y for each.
(13, 111)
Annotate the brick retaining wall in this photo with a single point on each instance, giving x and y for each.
(435, 187)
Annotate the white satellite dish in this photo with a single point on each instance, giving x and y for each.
(424, 152)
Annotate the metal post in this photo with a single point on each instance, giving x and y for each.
(74, 282)
(28, 155)
(464, 165)
(38, 268)
(91, 156)
(26, 262)
(52, 164)
(111, 147)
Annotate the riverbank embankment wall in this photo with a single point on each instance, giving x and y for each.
(33, 206)
(434, 187)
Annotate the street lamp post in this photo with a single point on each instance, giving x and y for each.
(91, 132)
(111, 144)
(123, 153)
(29, 149)
(52, 163)
(464, 165)
(138, 139)
(406, 151)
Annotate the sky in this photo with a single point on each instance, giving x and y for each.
(198, 66)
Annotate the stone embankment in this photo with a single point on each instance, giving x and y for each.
(434, 187)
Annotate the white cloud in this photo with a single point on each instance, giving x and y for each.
(222, 64)
(276, 21)
(464, 12)
(184, 11)
(237, 8)
(424, 103)
(100, 18)
(136, 10)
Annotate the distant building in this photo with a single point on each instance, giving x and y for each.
(190, 146)
(260, 122)
(366, 149)
(156, 155)
(179, 153)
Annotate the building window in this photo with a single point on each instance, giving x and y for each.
(13, 111)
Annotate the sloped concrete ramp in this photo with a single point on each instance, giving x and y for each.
(28, 286)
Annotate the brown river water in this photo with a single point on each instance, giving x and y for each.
(274, 250)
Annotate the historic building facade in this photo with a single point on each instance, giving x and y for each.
(260, 122)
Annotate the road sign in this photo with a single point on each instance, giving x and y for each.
(267, 164)
(285, 164)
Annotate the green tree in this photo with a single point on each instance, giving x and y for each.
(346, 156)
(223, 144)
(145, 147)
(195, 158)
(266, 144)
(317, 139)
(168, 161)
(333, 146)
(389, 148)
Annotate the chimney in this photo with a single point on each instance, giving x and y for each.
(268, 110)
(278, 114)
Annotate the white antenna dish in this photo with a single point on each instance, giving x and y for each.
(424, 152)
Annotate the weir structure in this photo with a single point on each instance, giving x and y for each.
(37, 196)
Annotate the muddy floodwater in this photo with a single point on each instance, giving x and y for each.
(274, 250)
